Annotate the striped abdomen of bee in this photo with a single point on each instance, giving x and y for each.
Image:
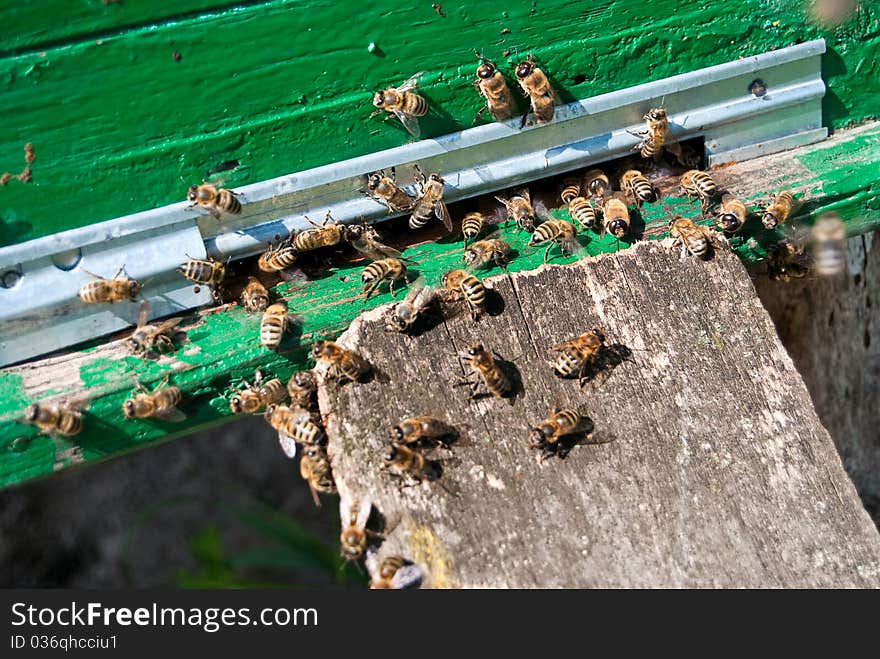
(828, 240)
(54, 419)
(559, 424)
(779, 210)
(483, 253)
(272, 325)
(203, 271)
(160, 403)
(693, 238)
(485, 369)
(343, 364)
(294, 424)
(384, 190)
(731, 215)
(536, 86)
(303, 390)
(418, 428)
(492, 86)
(571, 189)
(394, 573)
(558, 232)
(314, 467)
(328, 234)
(227, 202)
(615, 217)
(213, 200)
(469, 287)
(582, 211)
(700, 185)
(409, 463)
(246, 401)
(634, 182)
(576, 355)
(110, 290)
(654, 135)
(390, 269)
(277, 258)
(471, 226)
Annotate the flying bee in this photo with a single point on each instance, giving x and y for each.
(571, 189)
(161, 403)
(393, 573)
(354, 516)
(278, 257)
(366, 240)
(693, 238)
(148, 339)
(699, 185)
(596, 182)
(404, 104)
(384, 190)
(254, 398)
(110, 290)
(303, 390)
(787, 260)
(615, 218)
(828, 245)
(327, 234)
(273, 324)
(557, 232)
(578, 355)
(293, 426)
(213, 200)
(203, 271)
(536, 86)
(731, 214)
(634, 182)
(343, 364)
(429, 201)
(314, 467)
(405, 314)
(485, 253)
(54, 419)
(469, 288)
(582, 211)
(559, 424)
(779, 209)
(409, 464)
(519, 209)
(254, 297)
(656, 129)
(471, 226)
(485, 370)
(422, 429)
(492, 86)
(390, 270)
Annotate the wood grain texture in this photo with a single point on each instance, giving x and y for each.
(719, 473)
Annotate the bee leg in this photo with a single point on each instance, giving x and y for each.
(547, 251)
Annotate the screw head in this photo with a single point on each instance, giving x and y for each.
(758, 88)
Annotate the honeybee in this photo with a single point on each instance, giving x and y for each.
(303, 390)
(471, 226)
(582, 211)
(293, 425)
(697, 184)
(596, 182)
(393, 573)
(54, 419)
(213, 200)
(577, 355)
(203, 271)
(343, 364)
(828, 245)
(519, 209)
(354, 516)
(314, 467)
(634, 182)
(274, 322)
(409, 464)
(421, 428)
(161, 403)
(365, 239)
(254, 398)
(536, 86)
(469, 288)
(731, 214)
(485, 370)
(430, 201)
(779, 209)
(384, 190)
(147, 339)
(405, 105)
(571, 189)
(492, 86)
(558, 232)
(655, 132)
(693, 238)
(559, 424)
(615, 218)
(323, 235)
(787, 260)
(485, 253)
(390, 270)
(405, 314)
(278, 257)
(254, 297)
(110, 290)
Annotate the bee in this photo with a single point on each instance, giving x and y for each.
(278, 257)
(485, 369)
(582, 211)
(596, 182)
(409, 464)
(390, 270)
(161, 403)
(147, 339)
(405, 105)
(393, 573)
(787, 260)
(303, 390)
(293, 425)
(485, 253)
(430, 201)
(519, 209)
(536, 86)
(634, 182)
(469, 288)
(343, 364)
(693, 238)
(731, 214)
(254, 398)
(405, 314)
(110, 290)
(203, 271)
(314, 467)
(828, 244)
(558, 232)
(254, 297)
(471, 226)
(274, 322)
(779, 209)
(571, 189)
(615, 218)
(354, 516)
(695, 183)
(420, 428)
(577, 355)
(655, 132)
(365, 239)
(384, 190)
(323, 235)
(492, 86)
(560, 423)
(213, 200)
(54, 419)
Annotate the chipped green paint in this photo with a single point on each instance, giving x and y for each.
(279, 86)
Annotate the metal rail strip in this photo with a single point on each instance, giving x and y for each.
(39, 308)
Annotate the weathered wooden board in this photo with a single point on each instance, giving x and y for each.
(719, 473)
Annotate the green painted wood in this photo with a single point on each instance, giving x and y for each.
(223, 344)
(282, 85)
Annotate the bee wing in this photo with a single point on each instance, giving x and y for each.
(344, 510)
(407, 577)
(409, 122)
(365, 506)
(143, 313)
(376, 250)
(287, 445)
(411, 83)
(372, 562)
(442, 213)
(173, 415)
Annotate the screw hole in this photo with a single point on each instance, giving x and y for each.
(67, 260)
(757, 88)
(12, 278)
